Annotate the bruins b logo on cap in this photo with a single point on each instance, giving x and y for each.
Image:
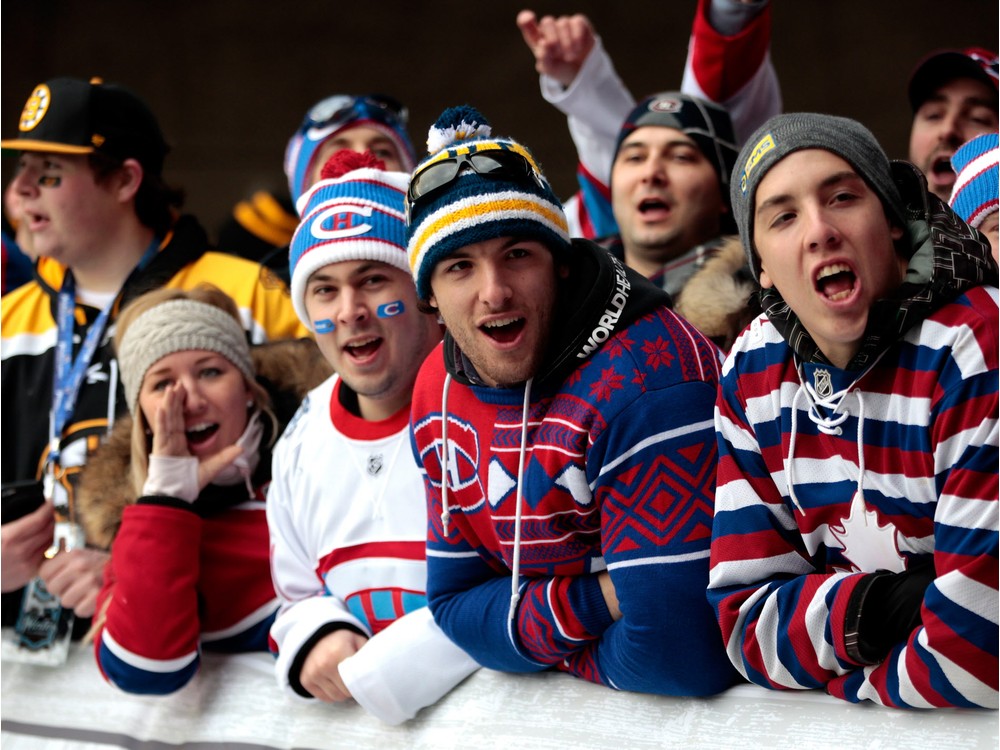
(35, 108)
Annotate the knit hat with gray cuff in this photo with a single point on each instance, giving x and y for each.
(787, 133)
(179, 325)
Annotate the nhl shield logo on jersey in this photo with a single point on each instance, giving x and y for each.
(823, 383)
(374, 464)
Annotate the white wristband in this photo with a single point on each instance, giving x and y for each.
(172, 476)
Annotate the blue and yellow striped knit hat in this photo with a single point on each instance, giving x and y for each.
(474, 206)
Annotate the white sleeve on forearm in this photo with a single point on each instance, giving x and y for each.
(596, 104)
(172, 476)
(409, 665)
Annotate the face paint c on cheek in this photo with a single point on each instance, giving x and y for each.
(390, 309)
(324, 326)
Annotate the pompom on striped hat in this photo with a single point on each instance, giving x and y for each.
(975, 194)
(476, 187)
(354, 212)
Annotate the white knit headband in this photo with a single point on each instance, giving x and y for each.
(175, 326)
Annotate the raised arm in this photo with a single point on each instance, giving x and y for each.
(578, 77)
(728, 62)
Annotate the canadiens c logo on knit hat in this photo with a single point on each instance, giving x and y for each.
(341, 221)
(666, 105)
(35, 108)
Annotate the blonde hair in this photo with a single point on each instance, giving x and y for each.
(141, 442)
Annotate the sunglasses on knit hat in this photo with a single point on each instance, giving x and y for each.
(338, 110)
(495, 162)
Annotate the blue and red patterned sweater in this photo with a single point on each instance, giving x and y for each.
(618, 475)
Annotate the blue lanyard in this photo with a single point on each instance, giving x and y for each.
(68, 373)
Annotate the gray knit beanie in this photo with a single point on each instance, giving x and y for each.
(783, 134)
(179, 325)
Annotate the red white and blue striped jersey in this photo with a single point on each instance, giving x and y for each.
(806, 503)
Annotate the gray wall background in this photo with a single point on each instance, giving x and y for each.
(230, 81)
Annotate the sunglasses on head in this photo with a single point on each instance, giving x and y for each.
(341, 108)
(496, 163)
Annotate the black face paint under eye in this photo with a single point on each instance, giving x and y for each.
(49, 181)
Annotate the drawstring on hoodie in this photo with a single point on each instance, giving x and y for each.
(515, 589)
(515, 593)
(445, 513)
(827, 425)
(244, 465)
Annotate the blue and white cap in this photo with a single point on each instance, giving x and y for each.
(334, 115)
(355, 212)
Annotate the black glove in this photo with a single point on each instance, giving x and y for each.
(885, 608)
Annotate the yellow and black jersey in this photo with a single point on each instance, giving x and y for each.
(29, 335)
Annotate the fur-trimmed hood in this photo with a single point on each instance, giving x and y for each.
(287, 370)
(719, 297)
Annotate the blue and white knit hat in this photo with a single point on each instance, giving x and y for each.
(335, 114)
(477, 207)
(975, 194)
(355, 212)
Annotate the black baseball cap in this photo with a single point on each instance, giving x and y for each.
(73, 116)
(942, 66)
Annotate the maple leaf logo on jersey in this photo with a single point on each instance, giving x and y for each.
(867, 544)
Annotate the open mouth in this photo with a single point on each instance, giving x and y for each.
(200, 433)
(363, 348)
(503, 331)
(942, 168)
(650, 205)
(836, 281)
